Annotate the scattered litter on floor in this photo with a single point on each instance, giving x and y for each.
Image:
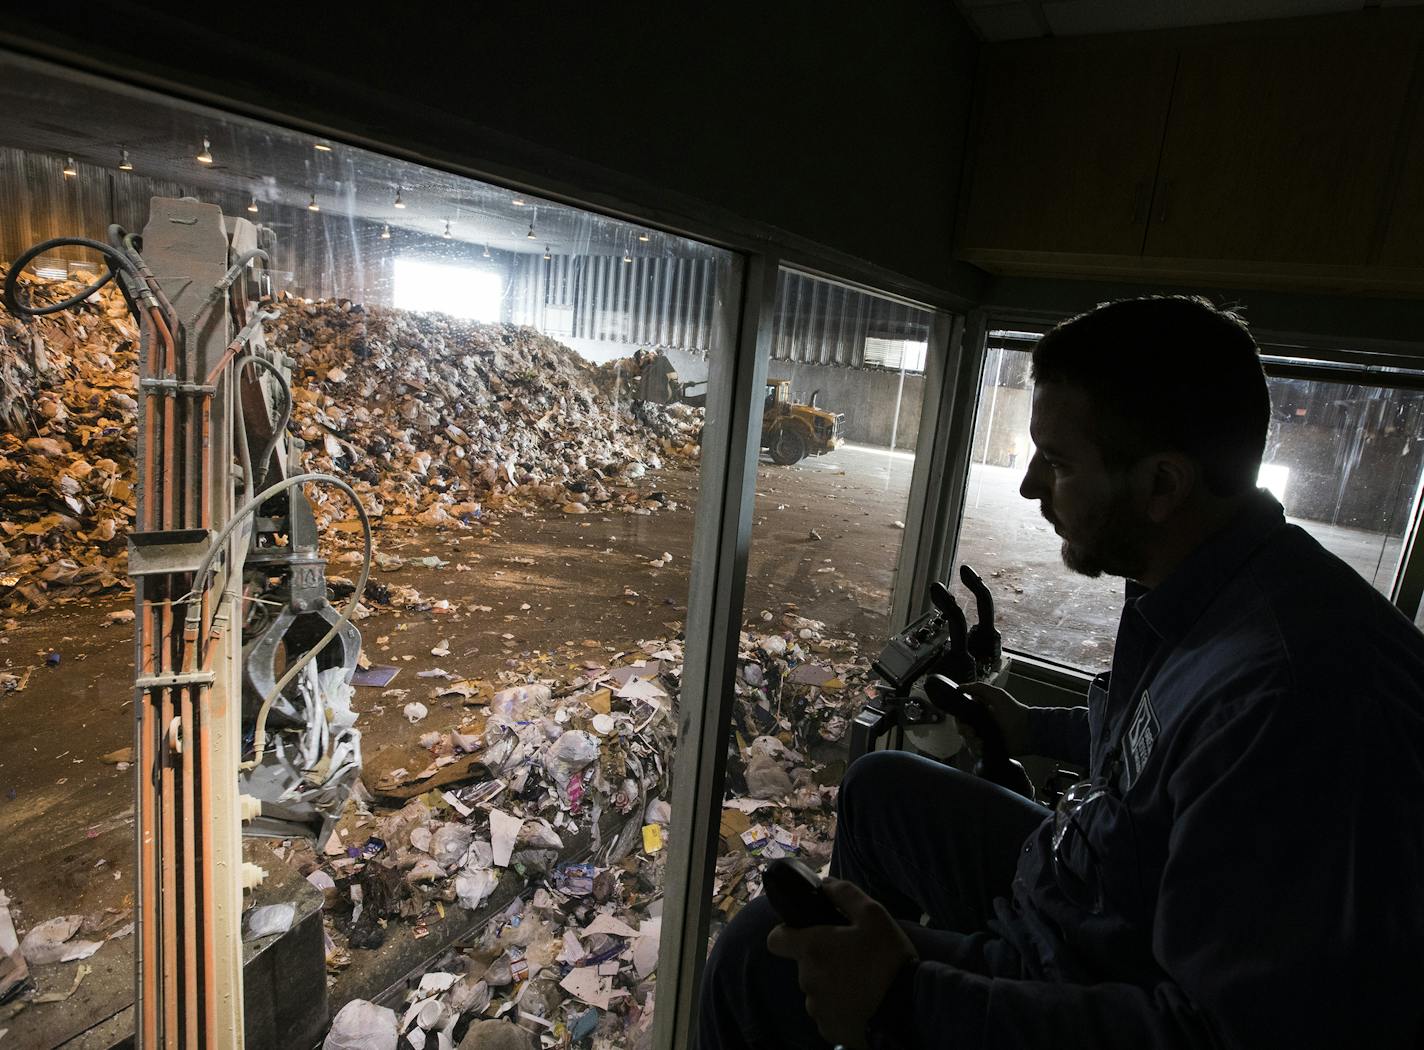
(14, 971)
(49, 942)
(83, 971)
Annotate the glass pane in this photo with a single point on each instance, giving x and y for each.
(1042, 608)
(1343, 458)
(843, 397)
(513, 388)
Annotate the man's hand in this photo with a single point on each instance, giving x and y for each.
(1011, 715)
(845, 971)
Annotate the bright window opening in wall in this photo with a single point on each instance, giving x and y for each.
(896, 354)
(461, 291)
(1343, 458)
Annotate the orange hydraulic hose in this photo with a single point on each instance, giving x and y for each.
(168, 799)
(147, 755)
(205, 821)
(150, 418)
(191, 832)
(169, 419)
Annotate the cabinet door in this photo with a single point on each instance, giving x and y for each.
(1278, 146)
(1067, 139)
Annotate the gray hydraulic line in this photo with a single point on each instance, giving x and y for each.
(286, 418)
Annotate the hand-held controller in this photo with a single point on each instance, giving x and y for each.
(796, 894)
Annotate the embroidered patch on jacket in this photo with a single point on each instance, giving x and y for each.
(1141, 737)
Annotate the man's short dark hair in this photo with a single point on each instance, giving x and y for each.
(1167, 373)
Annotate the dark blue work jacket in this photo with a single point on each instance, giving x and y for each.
(1249, 869)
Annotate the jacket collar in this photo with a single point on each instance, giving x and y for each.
(1175, 604)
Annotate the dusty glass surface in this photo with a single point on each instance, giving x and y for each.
(511, 386)
(842, 407)
(1343, 458)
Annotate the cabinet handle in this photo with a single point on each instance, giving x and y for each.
(1166, 192)
(1139, 203)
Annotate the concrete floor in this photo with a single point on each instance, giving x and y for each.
(67, 819)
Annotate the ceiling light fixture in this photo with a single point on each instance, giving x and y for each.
(253, 206)
(518, 201)
(547, 256)
(399, 203)
(206, 157)
(69, 169)
(312, 205)
(447, 229)
(626, 257)
(385, 233)
(124, 163)
(644, 238)
(530, 234)
(487, 253)
(322, 146)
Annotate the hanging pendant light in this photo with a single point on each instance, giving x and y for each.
(644, 238)
(253, 206)
(69, 169)
(312, 205)
(547, 256)
(206, 157)
(447, 229)
(487, 251)
(399, 203)
(124, 163)
(385, 233)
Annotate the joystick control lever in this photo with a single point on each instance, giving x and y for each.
(955, 661)
(985, 644)
(995, 764)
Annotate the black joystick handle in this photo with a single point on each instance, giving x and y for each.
(940, 597)
(995, 764)
(956, 661)
(985, 643)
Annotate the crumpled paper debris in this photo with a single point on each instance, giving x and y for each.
(49, 942)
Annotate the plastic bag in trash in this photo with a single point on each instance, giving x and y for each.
(267, 920)
(362, 1025)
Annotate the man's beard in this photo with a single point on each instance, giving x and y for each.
(1112, 545)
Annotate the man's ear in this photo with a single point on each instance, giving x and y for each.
(1168, 480)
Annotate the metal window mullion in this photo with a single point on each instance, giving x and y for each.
(720, 546)
(959, 402)
(1408, 588)
(929, 504)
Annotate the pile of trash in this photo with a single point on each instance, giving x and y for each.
(432, 419)
(545, 805)
(436, 418)
(67, 425)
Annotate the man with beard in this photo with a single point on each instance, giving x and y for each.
(1243, 865)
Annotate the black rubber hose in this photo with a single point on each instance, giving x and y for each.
(12, 279)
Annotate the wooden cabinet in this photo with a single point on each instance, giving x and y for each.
(1283, 154)
(1064, 154)
(1278, 149)
(1402, 239)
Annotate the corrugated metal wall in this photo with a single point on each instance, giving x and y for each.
(37, 201)
(820, 322)
(649, 302)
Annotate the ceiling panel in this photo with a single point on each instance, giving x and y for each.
(1016, 19)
